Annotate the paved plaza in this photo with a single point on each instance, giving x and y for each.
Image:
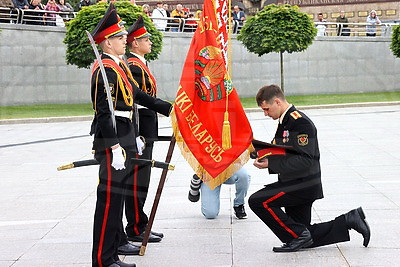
(47, 215)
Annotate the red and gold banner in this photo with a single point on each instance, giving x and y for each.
(209, 122)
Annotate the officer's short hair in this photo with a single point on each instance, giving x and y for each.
(268, 93)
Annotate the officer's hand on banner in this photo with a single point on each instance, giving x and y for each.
(118, 161)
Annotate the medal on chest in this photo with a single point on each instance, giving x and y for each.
(285, 136)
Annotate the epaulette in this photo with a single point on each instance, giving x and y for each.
(295, 115)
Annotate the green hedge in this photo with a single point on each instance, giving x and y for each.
(79, 51)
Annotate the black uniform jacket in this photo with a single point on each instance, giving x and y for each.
(148, 122)
(123, 99)
(299, 170)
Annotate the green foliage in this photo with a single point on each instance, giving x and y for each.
(79, 51)
(276, 28)
(395, 45)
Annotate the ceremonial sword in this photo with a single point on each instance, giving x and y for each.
(139, 162)
(105, 80)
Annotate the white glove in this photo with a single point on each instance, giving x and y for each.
(140, 145)
(118, 161)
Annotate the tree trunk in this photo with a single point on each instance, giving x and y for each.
(282, 83)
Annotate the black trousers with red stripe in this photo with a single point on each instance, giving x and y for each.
(107, 230)
(268, 202)
(136, 195)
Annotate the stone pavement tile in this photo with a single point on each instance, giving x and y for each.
(309, 258)
(332, 171)
(189, 247)
(4, 263)
(333, 186)
(27, 230)
(36, 207)
(348, 202)
(379, 172)
(393, 195)
(369, 257)
(12, 250)
(50, 262)
(57, 253)
(71, 231)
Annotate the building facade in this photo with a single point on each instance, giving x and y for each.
(356, 10)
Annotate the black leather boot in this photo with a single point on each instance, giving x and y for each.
(355, 219)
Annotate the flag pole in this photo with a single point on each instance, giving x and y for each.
(157, 198)
(226, 128)
(229, 63)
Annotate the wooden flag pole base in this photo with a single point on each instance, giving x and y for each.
(157, 198)
(142, 250)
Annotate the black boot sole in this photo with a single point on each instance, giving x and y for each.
(305, 245)
(362, 215)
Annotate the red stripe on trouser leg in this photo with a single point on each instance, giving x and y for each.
(107, 208)
(135, 197)
(265, 204)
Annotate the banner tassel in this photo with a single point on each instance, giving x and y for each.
(226, 133)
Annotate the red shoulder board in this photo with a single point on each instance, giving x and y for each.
(295, 115)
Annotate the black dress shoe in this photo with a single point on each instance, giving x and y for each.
(128, 249)
(122, 264)
(139, 238)
(304, 240)
(355, 219)
(157, 234)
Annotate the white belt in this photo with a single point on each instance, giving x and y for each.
(141, 107)
(125, 114)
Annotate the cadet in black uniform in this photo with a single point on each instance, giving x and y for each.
(139, 44)
(299, 182)
(114, 146)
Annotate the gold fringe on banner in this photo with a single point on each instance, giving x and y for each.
(212, 182)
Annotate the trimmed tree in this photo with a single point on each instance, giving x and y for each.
(278, 28)
(395, 45)
(79, 51)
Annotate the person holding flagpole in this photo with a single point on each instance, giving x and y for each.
(108, 139)
(299, 182)
(139, 45)
(113, 93)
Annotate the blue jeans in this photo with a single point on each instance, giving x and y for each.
(210, 198)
